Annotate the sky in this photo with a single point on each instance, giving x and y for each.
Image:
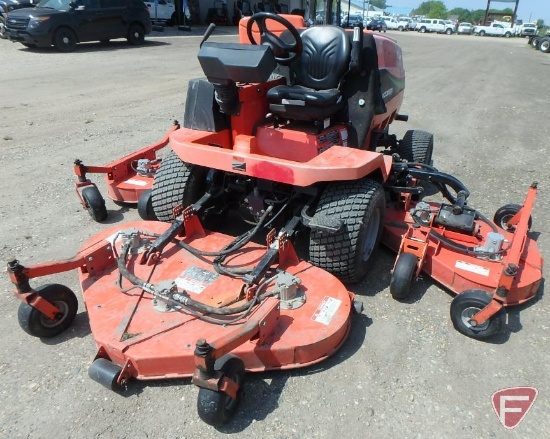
(535, 9)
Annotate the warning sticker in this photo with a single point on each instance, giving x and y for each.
(195, 279)
(136, 182)
(472, 268)
(326, 310)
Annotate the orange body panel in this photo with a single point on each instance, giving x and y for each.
(275, 27)
(128, 328)
(459, 271)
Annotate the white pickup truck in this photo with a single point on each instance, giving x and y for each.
(494, 29)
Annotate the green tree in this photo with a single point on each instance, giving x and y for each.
(432, 9)
(379, 4)
(463, 14)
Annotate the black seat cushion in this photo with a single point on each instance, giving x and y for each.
(317, 73)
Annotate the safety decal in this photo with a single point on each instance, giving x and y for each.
(195, 279)
(472, 268)
(326, 310)
(136, 182)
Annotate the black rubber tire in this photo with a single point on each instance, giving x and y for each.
(105, 372)
(34, 323)
(422, 30)
(468, 303)
(544, 45)
(217, 408)
(95, 204)
(505, 213)
(2, 28)
(176, 183)
(449, 32)
(507, 35)
(64, 40)
(403, 276)
(145, 206)
(482, 33)
(346, 253)
(417, 147)
(535, 43)
(136, 35)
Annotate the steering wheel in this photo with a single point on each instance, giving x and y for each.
(284, 52)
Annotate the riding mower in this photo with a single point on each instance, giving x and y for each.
(289, 132)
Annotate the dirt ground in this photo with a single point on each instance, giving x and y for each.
(404, 372)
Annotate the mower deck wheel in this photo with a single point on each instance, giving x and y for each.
(176, 183)
(105, 372)
(95, 204)
(417, 147)
(145, 206)
(505, 214)
(347, 253)
(217, 408)
(403, 276)
(34, 323)
(465, 305)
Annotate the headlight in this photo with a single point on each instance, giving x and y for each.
(36, 21)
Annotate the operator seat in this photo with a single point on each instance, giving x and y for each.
(315, 77)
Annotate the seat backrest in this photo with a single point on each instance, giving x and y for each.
(325, 57)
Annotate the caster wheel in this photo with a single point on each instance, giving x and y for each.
(465, 306)
(105, 372)
(95, 204)
(217, 408)
(505, 214)
(34, 323)
(145, 206)
(403, 276)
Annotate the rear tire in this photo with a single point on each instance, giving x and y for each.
(544, 46)
(64, 40)
(416, 147)
(347, 253)
(2, 28)
(136, 35)
(176, 183)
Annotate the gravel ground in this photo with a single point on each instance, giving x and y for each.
(404, 371)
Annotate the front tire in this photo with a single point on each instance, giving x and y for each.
(544, 46)
(136, 35)
(2, 28)
(95, 203)
(176, 183)
(465, 305)
(422, 30)
(34, 323)
(347, 253)
(403, 276)
(449, 32)
(416, 147)
(217, 408)
(64, 40)
(505, 214)
(482, 33)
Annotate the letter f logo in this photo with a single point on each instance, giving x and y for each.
(512, 404)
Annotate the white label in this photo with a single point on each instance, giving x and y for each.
(326, 310)
(195, 279)
(472, 268)
(136, 182)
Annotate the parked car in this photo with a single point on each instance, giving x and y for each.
(162, 11)
(494, 29)
(376, 24)
(392, 23)
(434, 25)
(351, 20)
(465, 29)
(526, 30)
(65, 23)
(11, 5)
(406, 23)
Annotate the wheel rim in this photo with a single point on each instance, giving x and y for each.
(372, 235)
(545, 45)
(65, 39)
(467, 314)
(50, 323)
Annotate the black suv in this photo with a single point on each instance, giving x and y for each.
(11, 5)
(64, 23)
